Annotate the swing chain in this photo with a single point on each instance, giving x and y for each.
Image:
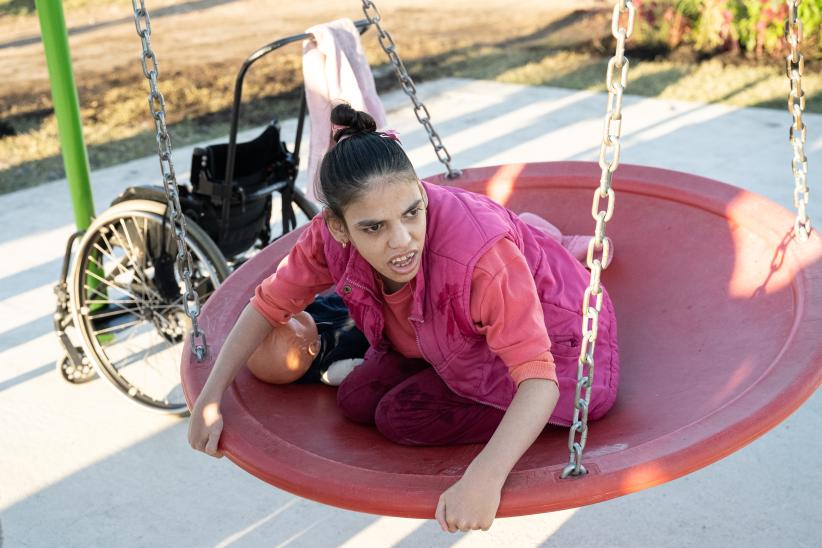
(157, 105)
(616, 79)
(420, 110)
(795, 64)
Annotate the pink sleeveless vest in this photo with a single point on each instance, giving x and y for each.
(462, 226)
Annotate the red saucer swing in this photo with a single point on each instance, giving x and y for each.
(719, 316)
(719, 311)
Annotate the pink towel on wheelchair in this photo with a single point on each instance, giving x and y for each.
(335, 70)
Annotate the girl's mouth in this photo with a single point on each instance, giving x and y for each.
(403, 264)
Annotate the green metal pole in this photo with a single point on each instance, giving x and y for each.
(66, 108)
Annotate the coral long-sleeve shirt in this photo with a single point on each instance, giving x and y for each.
(505, 306)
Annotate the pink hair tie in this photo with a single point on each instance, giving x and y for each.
(391, 134)
(335, 128)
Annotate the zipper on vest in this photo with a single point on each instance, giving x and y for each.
(417, 337)
(451, 388)
(349, 282)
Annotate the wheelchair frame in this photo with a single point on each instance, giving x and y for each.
(78, 365)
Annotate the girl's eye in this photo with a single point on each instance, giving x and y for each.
(413, 213)
(372, 229)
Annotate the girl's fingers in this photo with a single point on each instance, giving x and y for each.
(439, 514)
(211, 445)
(192, 437)
(196, 443)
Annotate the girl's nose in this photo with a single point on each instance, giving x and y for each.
(400, 237)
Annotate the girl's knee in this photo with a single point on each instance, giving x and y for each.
(408, 416)
(538, 222)
(364, 388)
(389, 421)
(356, 401)
(424, 411)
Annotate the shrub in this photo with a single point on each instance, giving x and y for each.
(711, 26)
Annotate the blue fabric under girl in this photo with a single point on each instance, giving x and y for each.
(339, 337)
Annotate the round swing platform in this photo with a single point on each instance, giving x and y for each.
(719, 320)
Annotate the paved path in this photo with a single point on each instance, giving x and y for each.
(80, 466)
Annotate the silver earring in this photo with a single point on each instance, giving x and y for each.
(344, 244)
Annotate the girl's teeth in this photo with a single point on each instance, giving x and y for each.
(401, 260)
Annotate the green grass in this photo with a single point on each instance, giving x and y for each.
(711, 81)
(738, 83)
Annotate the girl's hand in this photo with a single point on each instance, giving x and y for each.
(205, 427)
(471, 503)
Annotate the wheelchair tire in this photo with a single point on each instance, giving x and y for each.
(125, 299)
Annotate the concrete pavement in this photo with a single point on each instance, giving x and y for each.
(81, 466)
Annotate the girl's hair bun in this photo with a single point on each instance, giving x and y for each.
(352, 121)
(361, 158)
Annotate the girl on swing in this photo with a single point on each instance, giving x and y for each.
(471, 313)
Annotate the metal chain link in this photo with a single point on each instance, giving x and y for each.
(616, 79)
(157, 105)
(795, 62)
(420, 110)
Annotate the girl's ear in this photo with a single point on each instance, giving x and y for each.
(336, 226)
(423, 194)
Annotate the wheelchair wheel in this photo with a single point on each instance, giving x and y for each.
(126, 300)
(75, 374)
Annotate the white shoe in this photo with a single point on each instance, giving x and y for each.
(339, 370)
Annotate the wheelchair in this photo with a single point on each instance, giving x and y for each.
(120, 292)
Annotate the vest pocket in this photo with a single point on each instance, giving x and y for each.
(566, 346)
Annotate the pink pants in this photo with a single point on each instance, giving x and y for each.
(411, 405)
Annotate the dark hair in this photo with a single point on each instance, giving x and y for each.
(360, 155)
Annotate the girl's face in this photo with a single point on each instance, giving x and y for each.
(387, 227)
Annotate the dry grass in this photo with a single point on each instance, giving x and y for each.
(556, 47)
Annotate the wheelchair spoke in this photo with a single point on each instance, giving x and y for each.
(138, 272)
(119, 327)
(120, 310)
(118, 263)
(105, 300)
(178, 302)
(111, 285)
